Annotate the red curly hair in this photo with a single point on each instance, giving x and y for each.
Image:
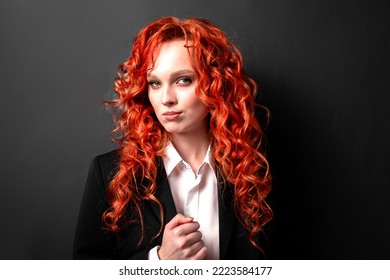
(235, 134)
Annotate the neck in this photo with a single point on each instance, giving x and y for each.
(192, 148)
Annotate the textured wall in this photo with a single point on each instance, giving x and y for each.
(324, 71)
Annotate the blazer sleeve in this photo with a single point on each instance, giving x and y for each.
(91, 241)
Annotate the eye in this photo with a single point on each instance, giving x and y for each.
(154, 84)
(184, 81)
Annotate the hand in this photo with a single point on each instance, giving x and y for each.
(182, 240)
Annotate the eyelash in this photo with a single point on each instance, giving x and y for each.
(180, 81)
(153, 83)
(186, 80)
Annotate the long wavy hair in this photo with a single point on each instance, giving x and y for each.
(237, 139)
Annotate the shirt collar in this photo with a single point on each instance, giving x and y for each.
(172, 158)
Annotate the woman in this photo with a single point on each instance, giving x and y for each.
(189, 179)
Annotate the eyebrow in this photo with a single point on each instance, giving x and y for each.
(174, 74)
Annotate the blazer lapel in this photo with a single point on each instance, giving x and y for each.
(164, 195)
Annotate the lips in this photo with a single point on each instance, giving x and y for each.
(171, 115)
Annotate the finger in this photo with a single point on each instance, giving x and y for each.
(194, 237)
(191, 251)
(187, 242)
(178, 220)
(185, 229)
(200, 255)
(196, 247)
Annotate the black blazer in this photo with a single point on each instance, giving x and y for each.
(93, 242)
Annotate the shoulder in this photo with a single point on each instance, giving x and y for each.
(107, 158)
(105, 165)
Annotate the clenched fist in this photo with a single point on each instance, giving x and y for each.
(182, 240)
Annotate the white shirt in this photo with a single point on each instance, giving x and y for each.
(194, 195)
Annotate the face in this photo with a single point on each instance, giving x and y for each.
(171, 90)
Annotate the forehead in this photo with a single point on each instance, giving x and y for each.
(171, 56)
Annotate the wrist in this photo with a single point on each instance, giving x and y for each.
(153, 255)
(159, 253)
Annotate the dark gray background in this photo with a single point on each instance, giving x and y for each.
(324, 71)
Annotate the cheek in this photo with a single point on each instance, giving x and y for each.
(152, 102)
(200, 109)
(205, 112)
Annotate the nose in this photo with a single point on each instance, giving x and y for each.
(168, 96)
